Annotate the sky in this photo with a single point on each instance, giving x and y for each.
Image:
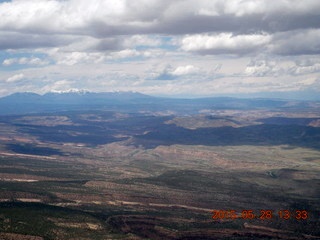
(178, 48)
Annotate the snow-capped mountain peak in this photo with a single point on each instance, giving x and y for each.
(71, 90)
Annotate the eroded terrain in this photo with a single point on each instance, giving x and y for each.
(111, 175)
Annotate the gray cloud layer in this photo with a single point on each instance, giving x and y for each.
(131, 45)
(53, 23)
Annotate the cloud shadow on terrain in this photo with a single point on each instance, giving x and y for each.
(264, 134)
(32, 149)
(151, 131)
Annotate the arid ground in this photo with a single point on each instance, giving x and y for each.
(223, 174)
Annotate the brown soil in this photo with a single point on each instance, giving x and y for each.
(13, 236)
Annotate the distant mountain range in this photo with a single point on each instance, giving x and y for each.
(26, 102)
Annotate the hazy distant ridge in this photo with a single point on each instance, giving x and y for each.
(26, 102)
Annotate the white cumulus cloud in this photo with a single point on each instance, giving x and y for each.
(225, 43)
(185, 70)
(15, 78)
(24, 61)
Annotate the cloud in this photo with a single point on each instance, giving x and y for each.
(171, 73)
(17, 40)
(127, 53)
(58, 86)
(267, 67)
(73, 58)
(305, 66)
(302, 42)
(141, 40)
(15, 78)
(249, 7)
(213, 26)
(119, 17)
(162, 73)
(8, 62)
(185, 70)
(202, 46)
(225, 43)
(76, 57)
(24, 61)
(263, 68)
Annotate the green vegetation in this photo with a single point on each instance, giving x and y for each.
(49, 222)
